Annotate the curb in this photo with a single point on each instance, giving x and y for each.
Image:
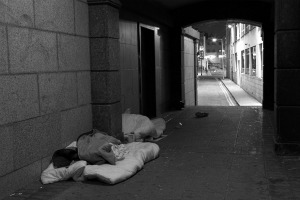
(229, 92)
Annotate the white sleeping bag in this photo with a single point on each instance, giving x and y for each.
(142, 126)
(138, 154)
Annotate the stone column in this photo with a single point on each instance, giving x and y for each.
(105, 66)
(287, 70)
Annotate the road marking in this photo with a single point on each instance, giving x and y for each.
(227, 95)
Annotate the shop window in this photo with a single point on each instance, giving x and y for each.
(253, 60)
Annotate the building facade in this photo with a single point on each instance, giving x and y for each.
(245, 49)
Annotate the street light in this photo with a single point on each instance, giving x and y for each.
(214, 40)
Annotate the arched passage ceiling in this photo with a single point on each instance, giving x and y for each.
(186, 12)
(177, 4)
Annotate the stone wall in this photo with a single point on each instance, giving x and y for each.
(105, 66)
(253, 86)
(44, 82)
(287, 70)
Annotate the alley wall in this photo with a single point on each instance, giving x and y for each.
(188, 71)
(247, 78)
(44, 83)
(188, 65)
(129, 65)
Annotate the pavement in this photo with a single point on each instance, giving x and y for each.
(228, 155)
(240, 96)
(212, 92)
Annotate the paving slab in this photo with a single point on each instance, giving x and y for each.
(241, 97)
(201, 158)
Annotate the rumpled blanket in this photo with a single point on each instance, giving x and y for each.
(96, 147)
(136, 154)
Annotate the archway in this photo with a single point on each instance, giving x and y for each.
(232, 54)
(254, 11)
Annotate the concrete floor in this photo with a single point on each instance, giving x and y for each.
(227, 155)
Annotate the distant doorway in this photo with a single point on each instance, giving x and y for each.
(147, 72)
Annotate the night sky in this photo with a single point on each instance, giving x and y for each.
(216, 28)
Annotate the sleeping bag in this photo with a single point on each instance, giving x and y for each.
(95, 147)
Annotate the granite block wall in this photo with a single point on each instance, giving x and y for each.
(253, 86)
(287, 70)
(105, 66)
(45, 84)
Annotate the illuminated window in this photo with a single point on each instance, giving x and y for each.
(238, 31)
(235, 62)
(247, 62)
(247, 28)
(253, 60)
(235, 32)
(261, 49)
(243, 59)
(242, 29)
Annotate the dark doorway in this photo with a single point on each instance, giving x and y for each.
(147, 72)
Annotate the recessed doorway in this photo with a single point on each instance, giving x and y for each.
(147, 72)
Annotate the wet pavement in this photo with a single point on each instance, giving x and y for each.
(228, 155)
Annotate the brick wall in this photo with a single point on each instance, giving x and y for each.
(44, 83)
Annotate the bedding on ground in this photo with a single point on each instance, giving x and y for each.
(141, 126)
(96, 155)
(135, 155)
